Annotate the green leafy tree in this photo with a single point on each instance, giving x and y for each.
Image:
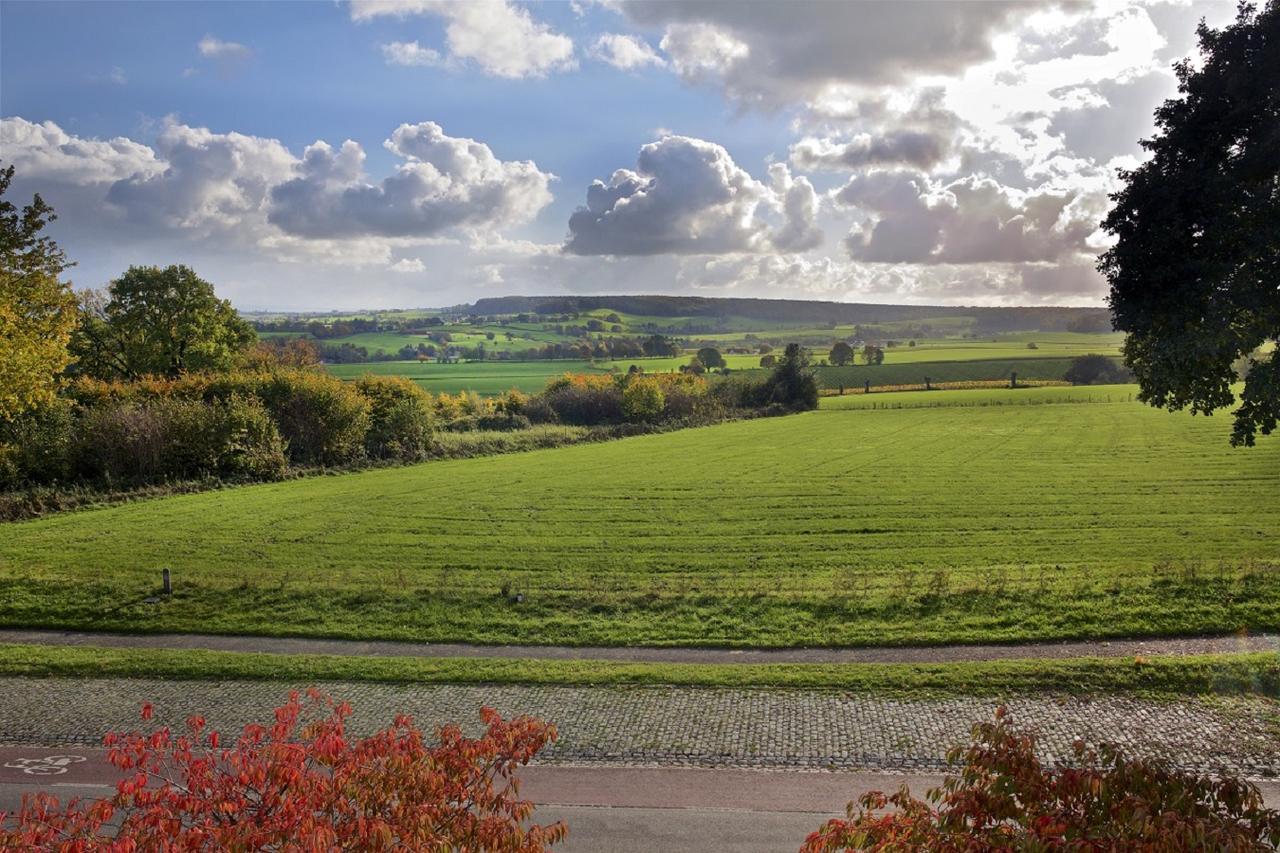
(37, 310)
(642, 400)
(158, 322)
(1196, 262)
(792, 383)
(711, 358)
(872, 354)
(1095, 370)
(841, 354)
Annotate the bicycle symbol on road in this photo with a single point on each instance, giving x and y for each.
(50, 765)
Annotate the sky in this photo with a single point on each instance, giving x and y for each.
(418, 153)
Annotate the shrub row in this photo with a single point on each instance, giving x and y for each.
(247, 426)
(596, 400)
(257, 424)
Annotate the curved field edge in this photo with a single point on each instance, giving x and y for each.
(925, 526)
(1252, 673)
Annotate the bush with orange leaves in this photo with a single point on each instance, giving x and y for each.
(1005, 799)
(302, 783)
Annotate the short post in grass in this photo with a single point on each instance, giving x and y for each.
(927, 385)
(165, 582)
(866, 386)
(1013, 379)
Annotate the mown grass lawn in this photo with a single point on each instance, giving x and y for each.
(1256, 674)
(855, 527)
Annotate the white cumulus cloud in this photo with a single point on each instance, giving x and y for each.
(252, 191)
(625, 52)
(46, 151)
(685, 196)
(444, 183)
(501, 38)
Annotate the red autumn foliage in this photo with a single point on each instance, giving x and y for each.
(302, 784)
(1004, 799)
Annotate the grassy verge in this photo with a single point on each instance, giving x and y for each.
(1256, 674)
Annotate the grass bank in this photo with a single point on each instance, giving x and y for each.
(1253, 674)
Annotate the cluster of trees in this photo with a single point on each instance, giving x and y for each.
(842, 353)
(1096, 370)
(611, 348)
(615, 348)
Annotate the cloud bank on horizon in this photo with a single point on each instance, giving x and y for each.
(388, 153)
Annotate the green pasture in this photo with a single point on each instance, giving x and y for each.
(844, 526)
(483, 377)
(971, 397)
(942, 371)
(1048, 345)
(495, 377)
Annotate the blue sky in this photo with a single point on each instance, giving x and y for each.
(911, 152)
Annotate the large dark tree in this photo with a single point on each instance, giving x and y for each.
(1195, 269)
(841, 354)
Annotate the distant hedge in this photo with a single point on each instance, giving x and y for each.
(261, 423)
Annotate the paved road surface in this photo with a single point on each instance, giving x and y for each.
(612, 809)
(609, 809)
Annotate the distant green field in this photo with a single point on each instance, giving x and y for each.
(495, 377)
(483, 377)
(1048, 345)
(942, 371)
(846, 526)
(982, 397)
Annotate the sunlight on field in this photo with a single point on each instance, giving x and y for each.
(974, 521)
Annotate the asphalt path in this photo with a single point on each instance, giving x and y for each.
(608, 808)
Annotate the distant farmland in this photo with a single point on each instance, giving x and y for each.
(989, 519)
(941, 360)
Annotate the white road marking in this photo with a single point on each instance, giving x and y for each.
(50, 765)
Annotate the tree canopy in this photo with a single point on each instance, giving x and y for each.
(710, 358)
(158, 322)
(841, 353)
(37, 310)
(792, 383)
(1195, 269)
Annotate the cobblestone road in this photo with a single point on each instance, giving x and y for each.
(709, 727)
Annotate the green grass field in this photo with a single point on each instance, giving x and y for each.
(942, 371)
(495, 377)
(483, 377)
(839, 527)
(982, 397)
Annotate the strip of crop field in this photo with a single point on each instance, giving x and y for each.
(865, 527)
